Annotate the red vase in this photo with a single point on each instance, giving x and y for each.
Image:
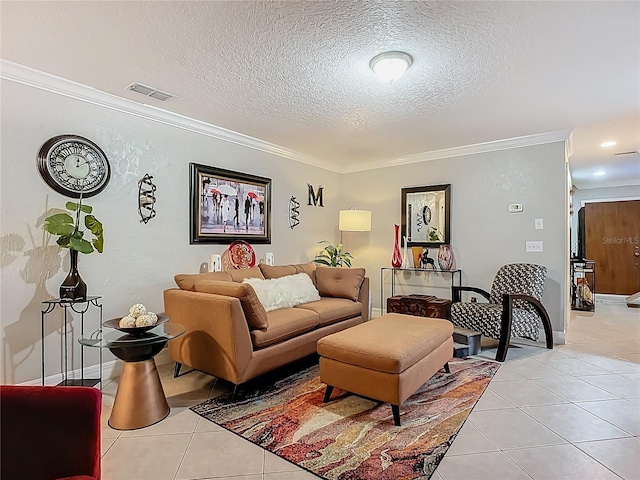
(396, 259)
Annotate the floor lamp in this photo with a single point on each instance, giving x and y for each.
(354, 221)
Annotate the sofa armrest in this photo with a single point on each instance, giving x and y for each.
(363, 298)
(217, 340)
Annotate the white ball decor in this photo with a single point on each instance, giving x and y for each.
(146, 320)
(138, 309)
(127, 322)
(138, 317)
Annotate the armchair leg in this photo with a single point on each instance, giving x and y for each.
(176, 369)
(503, 346)
(446, 368)
(505, 328)
(546, 323)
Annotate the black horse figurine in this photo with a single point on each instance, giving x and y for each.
(425, 260)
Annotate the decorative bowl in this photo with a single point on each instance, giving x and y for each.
(115, 323)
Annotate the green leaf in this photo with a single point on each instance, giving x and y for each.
(64, 241)
(95, 227)
(81, 245)
(321, 261)
(98, 243)
(73, 206)
(59, 224)
(93, 224)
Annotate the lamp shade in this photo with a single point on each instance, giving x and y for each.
(354, 221)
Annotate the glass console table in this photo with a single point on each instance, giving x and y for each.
(453, 274)
(140, 400)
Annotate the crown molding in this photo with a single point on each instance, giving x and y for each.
(506, 144)
(24, 75)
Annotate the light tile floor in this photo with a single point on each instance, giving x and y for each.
(562, 414)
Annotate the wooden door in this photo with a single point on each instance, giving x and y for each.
(612, 231)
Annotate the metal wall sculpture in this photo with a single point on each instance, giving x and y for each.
(146, 199)
(294, 213)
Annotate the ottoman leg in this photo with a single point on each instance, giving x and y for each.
(446, 367)
(327, 393)
(396, 414)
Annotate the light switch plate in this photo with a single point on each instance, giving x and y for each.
(539, 223)
(536, 247)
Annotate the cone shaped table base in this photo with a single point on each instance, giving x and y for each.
(140, 399)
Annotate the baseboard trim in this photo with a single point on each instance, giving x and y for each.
(610, 298)
(110, 370)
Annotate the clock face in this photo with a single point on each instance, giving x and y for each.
(72, 165)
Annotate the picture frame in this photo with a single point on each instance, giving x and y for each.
(225, 206)
(426, 215)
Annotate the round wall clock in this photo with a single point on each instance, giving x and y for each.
(71, 165)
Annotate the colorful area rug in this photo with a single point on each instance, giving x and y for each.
(353, 437)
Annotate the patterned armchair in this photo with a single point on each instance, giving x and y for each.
(514, 308)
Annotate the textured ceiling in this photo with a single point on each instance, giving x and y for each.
(296, 74)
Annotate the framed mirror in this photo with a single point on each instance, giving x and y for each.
(426, 215)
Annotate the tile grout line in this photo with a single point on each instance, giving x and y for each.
(184, 454)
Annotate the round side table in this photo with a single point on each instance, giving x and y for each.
(140, 400)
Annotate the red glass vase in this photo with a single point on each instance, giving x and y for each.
(396, 259)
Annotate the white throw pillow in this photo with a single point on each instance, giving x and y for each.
(284, 292)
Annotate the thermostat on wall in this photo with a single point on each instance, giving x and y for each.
(516, 208)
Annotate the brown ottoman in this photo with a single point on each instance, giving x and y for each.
(387, 358)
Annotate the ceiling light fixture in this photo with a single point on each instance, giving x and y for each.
(607, 144)
(599, 173)
(390, 66)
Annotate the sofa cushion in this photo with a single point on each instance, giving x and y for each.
(332, 310)
(254, 312)
(270, 271)
(284, 324)
(241, 274)
(339, 282)
(186, 281)
(284, 292)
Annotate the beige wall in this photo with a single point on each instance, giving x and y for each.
(140, 260)
(484, 234)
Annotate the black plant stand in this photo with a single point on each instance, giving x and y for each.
(80, 307)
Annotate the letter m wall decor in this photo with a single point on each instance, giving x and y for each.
(315, 200)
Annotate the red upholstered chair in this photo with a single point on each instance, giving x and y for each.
(49, 433)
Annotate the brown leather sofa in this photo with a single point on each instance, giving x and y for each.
(231, 336)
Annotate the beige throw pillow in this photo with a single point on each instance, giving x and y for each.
(253, 310)
(339, 282)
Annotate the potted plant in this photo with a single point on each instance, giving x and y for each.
(333, 256)
(71, 236)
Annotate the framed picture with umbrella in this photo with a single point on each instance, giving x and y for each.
(226, 206)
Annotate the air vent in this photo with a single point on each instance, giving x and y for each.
(150, 92)
(632, 152)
